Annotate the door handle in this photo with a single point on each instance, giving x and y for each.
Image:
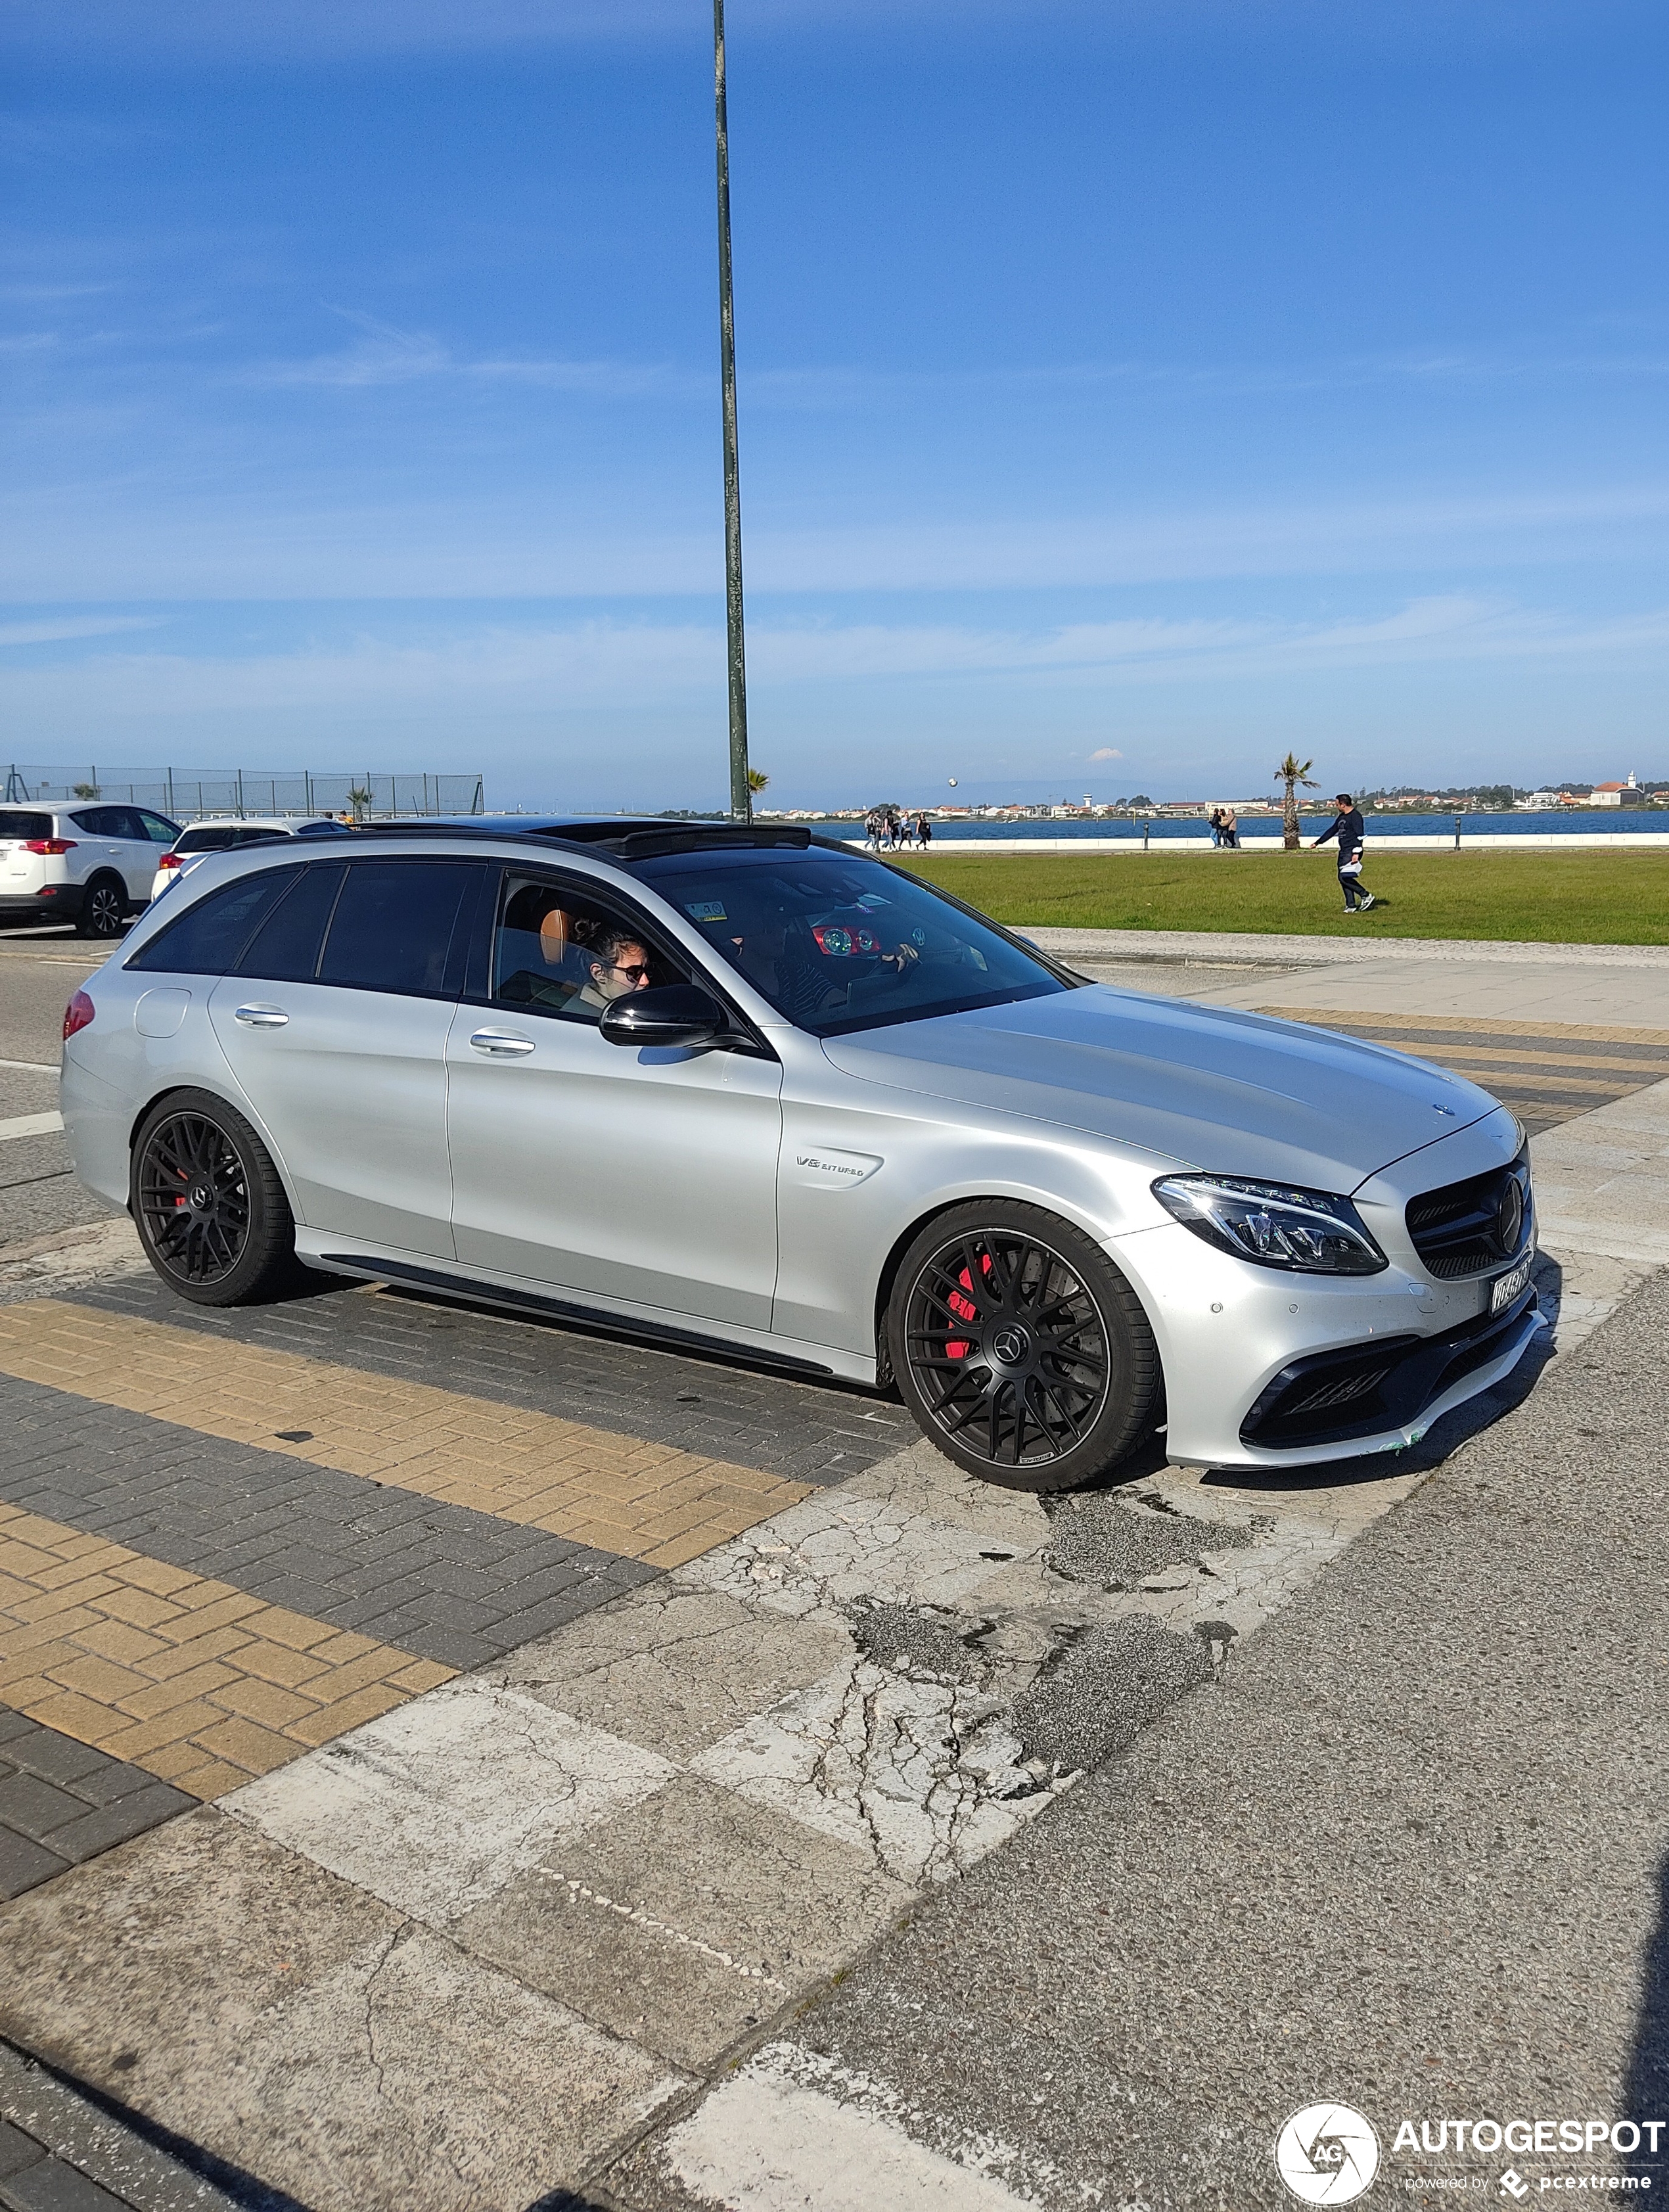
(501, 1044)
(260, 1017)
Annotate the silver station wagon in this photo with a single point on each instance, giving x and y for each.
(745, 1091)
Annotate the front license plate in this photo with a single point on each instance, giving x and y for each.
(1506, 1288)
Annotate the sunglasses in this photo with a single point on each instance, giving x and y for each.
(637, 970)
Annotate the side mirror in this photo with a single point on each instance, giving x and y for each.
(676, 1014)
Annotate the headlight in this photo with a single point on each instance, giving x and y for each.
(1310, 1232)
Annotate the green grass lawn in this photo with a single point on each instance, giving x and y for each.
(1585, 897)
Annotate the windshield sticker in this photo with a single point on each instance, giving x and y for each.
(706, 910)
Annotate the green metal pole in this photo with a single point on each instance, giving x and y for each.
(741, 797)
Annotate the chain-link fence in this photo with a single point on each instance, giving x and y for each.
(187, 794)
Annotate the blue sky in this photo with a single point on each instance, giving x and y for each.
(1128, 391)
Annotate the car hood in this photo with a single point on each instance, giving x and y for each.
(1235, 1093)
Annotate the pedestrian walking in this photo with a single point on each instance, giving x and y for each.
(1215, 818)
(1347, 825)
(1229, 830)
(923, 832)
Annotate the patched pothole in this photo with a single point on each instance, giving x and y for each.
(1103, 1688)
(924, 1642)
(1103, 1540)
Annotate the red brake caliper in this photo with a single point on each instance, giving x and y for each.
(964, 1309)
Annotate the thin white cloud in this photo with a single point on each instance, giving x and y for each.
(584, 667)
(155, 535)
(1107, 752)
(75, 626)
(384, 354)
(833, 388)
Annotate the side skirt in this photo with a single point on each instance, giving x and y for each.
(596, 1322)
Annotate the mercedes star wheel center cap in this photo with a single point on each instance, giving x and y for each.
(1010, 1347)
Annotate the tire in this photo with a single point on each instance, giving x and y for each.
(103, 908)
(210, 1210)
(1021, 1350)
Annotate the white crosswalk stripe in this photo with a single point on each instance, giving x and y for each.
(30, 1125)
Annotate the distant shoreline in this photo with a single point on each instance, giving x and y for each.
(1594, 825)
(1418, 833)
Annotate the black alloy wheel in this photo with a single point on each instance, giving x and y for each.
(1021, 1350)
(104, 909)
(210, 1209)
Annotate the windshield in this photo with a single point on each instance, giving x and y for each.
(839, 945)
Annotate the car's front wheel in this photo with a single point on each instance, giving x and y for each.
(210, 1209)
(1020, 1348)
(103, 908)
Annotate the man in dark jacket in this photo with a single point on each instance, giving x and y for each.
(1347, 825)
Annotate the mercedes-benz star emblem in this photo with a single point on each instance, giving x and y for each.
(1509, 1217)
(1011, 1345)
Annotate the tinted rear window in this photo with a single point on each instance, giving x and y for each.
(393, 925)
(285, 948)
(212, 837)
(207, 938)
(25, 825)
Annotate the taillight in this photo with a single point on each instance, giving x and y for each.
(171, 860)
(49, 845)
(78, 1013)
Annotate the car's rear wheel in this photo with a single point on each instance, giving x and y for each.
(210, 1210)
(1020, 1348)
(103, 908)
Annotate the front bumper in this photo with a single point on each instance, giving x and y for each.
(1244, 1348)
(1342, 1398)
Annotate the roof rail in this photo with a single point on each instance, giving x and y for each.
(648, 844)
(639, 839)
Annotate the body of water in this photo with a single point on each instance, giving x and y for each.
(1261, 828)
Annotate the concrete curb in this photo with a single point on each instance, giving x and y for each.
(81, 2136)
(1245, 950)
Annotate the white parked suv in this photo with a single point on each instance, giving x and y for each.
(201, 837)
(93, 864)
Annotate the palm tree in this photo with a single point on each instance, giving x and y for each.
(757, 782)
(1292, 772)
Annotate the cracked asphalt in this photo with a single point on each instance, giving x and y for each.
(1406, 1849)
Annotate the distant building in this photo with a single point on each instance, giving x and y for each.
(1614, 795)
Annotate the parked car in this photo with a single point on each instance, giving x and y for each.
(746, 1091)
(228, 836)
(91, 865)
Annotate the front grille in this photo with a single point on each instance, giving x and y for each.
(1457, 1230)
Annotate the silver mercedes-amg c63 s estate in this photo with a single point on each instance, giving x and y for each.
(748, 1090)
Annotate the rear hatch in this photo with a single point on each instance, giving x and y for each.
(19, 826)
